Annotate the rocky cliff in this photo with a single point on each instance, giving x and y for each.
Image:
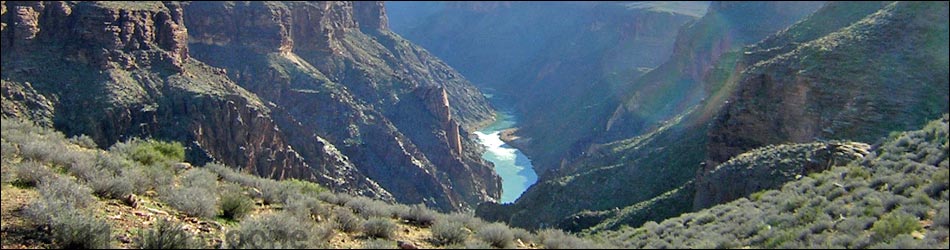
(340, 74)
(771, 167)
(121, 70)
(886, 72)
(319, 91)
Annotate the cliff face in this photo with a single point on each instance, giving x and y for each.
(297, 90)
(336, 72)
(118, 70)
(886, 72)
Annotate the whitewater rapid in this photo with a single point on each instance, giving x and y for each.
(513, 166)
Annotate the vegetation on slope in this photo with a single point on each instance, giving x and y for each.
(897, 197)
(60, 192)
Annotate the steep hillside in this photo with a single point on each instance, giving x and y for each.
(401, 107)
(659, 159)
(729, 88)
(557, 63)
(677, 84)
(123, 70)
(66, 193)
(897, 197)
(887, 72)
(771, 167)
(321, 91)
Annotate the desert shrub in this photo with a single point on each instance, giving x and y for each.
(820, 226)
(274, 192)
(894, 224)
(942, 218)
(328, 197)
(113, 162)
(323, 232)
(704, 218)
(858, 172)
(149, 152)
(854, 224)
(399, 211)
(275, 230)
(155, 178)
(367, 207)
(900, 242)
(6, 174)
(420, 215)
(7, 150)
(496, 234)
(85, 170)
(108, 185)
(379, 244)
(780, 238)
(73, 229)
(523, 235)
(193, 201)
(84, 141)
(59, 197)
(234, 204)
(917, 210)
(449, 232)
(557, 239)
(302, 187)
(228, 174)
(139, 178)
(30, 173)
(199, 178)
(41, 150)
(346, 221)
(108, 176)
(167, 235)
(472, 244)
(470, 221)
(306, 207)
(342, 199)
(379, 228)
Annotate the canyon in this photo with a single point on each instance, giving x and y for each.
(629, 124)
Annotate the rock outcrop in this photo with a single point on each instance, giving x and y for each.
(21, 100)
(336, 72)
(293, 90)
(437, 102)
(771, 167)
(120, 70)
(371, 15)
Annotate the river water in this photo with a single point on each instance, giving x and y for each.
(512, 165)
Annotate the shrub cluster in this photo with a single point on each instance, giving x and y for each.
(305, 219)
(879, 201)
(496, 234)
(167, 235)
(275, 230)
(449, 232)
(379, 228)
(234, 204)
